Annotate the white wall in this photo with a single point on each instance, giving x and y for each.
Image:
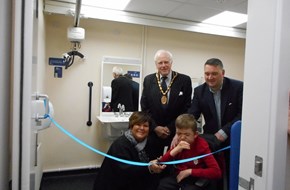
(70, 93)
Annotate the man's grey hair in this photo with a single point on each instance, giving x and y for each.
(157, 54)
(117, 70)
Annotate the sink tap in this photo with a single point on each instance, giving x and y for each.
(121, 109)
(116, 113)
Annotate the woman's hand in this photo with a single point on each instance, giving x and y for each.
(154, 167)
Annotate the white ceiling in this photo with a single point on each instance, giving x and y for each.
(189, 10)
(177, 14)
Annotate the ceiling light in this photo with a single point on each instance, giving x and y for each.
(110, 4)
(227, 18)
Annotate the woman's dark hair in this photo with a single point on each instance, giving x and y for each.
(139, 117)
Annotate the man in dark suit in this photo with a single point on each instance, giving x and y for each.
(219, 100)
(122, 91)
(135, 95)
(165, 99)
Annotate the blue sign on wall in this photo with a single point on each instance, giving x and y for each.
(56, 61)
(134, 74)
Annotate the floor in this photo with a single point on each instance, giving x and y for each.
(69, 180)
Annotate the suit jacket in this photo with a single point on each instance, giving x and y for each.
(135, 95)
(122, 92)
(231, 105)
(179, 100)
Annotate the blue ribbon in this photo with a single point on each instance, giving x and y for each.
(128, 161)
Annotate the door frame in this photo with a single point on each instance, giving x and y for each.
(21, 80)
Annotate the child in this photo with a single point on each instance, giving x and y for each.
(188, 175)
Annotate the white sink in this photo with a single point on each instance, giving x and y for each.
(115, 119)
(113, 124)
(111, 118)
